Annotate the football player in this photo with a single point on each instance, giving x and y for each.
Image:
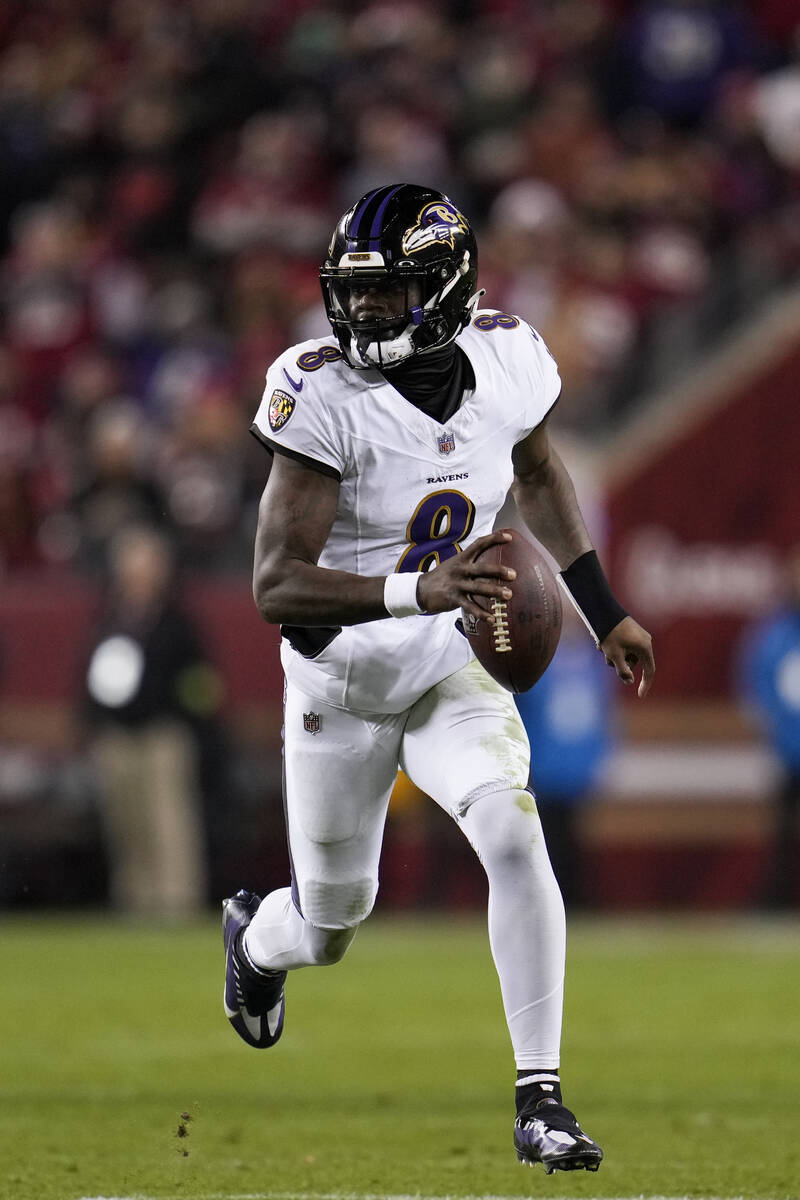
(394, 445)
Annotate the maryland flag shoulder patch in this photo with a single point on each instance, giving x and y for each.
(281, 407)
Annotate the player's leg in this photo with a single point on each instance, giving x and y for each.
(125, 802)
(179, 853)
(465, 745)
(339, 769)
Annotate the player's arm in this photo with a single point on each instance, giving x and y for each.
(546, 501)
(295, 517)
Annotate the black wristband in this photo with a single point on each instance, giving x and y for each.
(588, 590)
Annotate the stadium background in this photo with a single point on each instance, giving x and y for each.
(171, 173)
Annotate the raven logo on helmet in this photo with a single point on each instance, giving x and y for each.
(437, 223)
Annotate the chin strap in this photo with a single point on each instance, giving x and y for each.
(384, 354)
(381, 354)
(460, 271)
(474, 301)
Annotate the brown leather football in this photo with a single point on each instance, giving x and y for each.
(517, 649)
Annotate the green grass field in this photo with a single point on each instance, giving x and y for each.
(394, 1076)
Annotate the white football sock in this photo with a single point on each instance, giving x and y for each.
(527, 929)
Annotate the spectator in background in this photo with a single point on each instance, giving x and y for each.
(568, 719)
(46, 310)
(674, 53)
(769, 680)
(148, 686)
(119, 488)
(172, 171)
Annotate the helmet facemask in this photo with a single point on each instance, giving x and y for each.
(371, 340)
(432, 308)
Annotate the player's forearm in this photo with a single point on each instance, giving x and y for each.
(547, 504)
(301, 593)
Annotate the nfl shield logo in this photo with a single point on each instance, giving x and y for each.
(311, 722)
(446, 443)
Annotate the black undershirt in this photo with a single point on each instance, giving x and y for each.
(434, 383)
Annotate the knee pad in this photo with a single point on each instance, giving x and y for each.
(337, 906)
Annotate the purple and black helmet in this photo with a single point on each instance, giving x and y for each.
(397, 234)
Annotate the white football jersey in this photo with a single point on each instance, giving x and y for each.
(413, 492)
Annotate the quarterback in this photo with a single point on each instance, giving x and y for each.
(394, 444)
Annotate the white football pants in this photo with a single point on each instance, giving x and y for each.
(464, 744)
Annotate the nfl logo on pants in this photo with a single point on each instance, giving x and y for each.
(311, 722)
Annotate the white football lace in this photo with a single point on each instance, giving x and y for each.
(500, 631)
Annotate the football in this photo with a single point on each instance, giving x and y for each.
(517, 649)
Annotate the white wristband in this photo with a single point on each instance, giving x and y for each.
(400, 594)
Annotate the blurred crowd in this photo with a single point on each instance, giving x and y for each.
(172, 170)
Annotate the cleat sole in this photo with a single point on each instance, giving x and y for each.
(563, 1164)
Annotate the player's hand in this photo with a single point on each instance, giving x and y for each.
(629, 646)
(456, 581)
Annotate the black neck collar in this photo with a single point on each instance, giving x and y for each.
(434, 383)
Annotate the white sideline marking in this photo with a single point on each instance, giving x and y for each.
(373, 1196)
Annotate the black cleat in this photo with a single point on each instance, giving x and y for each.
(548, 1133)
(254, 1000)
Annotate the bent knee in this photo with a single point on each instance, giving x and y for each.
(337, 907)
(505, 825)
